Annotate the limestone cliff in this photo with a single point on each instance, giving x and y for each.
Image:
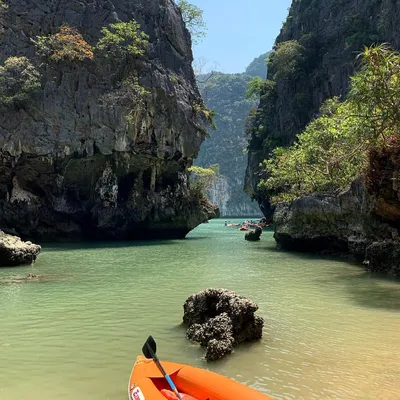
(320, 42)
(364, 220)
(330, 34)
(76, 165)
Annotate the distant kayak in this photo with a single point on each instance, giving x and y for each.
(147, 382)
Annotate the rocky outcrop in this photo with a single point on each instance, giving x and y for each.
(218, 193)
(331, 33)
(253, 236)
(363, 221)
(13, 251)
(219, 319)
(209, 209)
(383, 256)
(75, 164)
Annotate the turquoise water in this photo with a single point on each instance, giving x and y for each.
(332, 331)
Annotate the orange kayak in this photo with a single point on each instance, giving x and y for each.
(147, 382)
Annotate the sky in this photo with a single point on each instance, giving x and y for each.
(238, 31)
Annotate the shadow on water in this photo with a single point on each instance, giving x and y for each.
(196, 238)
(338, 257)
(373, 290)
(68, 246)
(366, 289)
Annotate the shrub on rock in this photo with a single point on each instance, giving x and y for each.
(19, 80)
(66, 45)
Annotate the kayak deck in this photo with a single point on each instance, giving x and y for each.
(146, 382)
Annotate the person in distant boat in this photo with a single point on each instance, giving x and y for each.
(263, 222)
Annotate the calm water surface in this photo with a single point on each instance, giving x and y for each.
(332, 331)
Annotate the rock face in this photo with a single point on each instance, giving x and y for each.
(13, 251)
(328, 35)
(73, 166)
(331, 34)
(219, 319)
(253, 236)
(363, 221)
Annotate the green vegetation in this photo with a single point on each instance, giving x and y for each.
(122, 39)
(334, 148)
(193, 18)
(288, 60)
(19, 80)
(258, 87)
(202, 179)
(118, 40)
(3, 5)
(129, 93)
(66, 45)
(300, 66)
(201, 111)
(291, 64)
(259, 122)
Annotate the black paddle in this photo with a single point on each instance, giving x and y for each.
(149, 350)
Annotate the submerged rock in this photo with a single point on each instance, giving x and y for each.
(22, 279)
(13, 251)
(219, 319)
(253, 236)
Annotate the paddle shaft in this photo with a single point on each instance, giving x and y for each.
(166, 376)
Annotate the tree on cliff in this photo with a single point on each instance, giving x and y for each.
(334, 148)
(193, 18)
(122, 39)
(19, 80)
(202, 179)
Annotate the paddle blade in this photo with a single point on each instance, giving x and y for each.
(149, 349)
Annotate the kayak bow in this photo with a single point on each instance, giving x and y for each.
(147, 382)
